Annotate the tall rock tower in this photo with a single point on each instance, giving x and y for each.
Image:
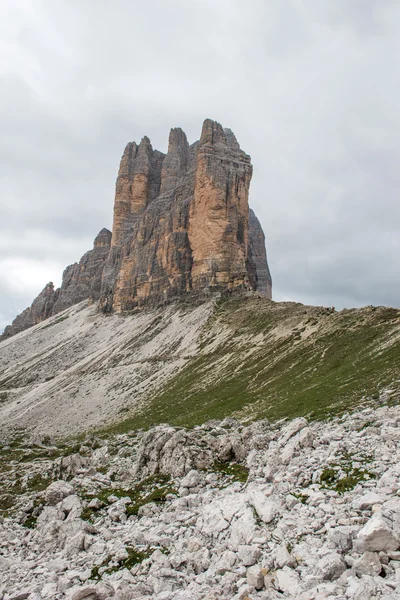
(182, 227)
(181, 223)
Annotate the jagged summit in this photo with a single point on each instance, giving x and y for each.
(80, 281)
(181, 226)
(181, 222)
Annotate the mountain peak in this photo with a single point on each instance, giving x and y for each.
(181, 227)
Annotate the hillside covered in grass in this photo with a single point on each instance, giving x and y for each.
(264, 359)
(184, 364)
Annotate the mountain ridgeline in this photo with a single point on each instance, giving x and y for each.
(182, 227)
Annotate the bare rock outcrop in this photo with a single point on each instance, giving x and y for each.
(40, 309)
(181, 227)
(80, 281)
(259, 255)
(181, 223)
(83, 280)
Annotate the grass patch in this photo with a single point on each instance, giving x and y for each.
(235, 471)
(343, 476)
(153, 489)
(107, 567)
(265, 360)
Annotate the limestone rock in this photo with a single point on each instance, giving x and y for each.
(57, 491)
(368, 564)
(219, 213)
(81, 281)
(377, 535)
(248, 555)
(331, 566)
(40, 309)
(210, 543)
(367, 501)
(182, 226)
(181, 223)
(286, 580)
(255, 577)
(259, 255)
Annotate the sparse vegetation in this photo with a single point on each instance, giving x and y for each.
(235, 471)
(108, 566)
(302, 497)
(306, 361)
(153, 489)
(344, 476)
(55, 322)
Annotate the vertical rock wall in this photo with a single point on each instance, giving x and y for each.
(219, 212)
(259, 256)
(80, 281)
(181, 227)
(181, 222)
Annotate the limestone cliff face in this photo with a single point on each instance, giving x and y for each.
(219, 212)
(181, 227)
(181, 222)
(80, 281)
(40, 309)
(259, 255)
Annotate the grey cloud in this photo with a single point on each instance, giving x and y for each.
(310, 88)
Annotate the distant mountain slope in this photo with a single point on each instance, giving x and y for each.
(81, 368)
(184, 364)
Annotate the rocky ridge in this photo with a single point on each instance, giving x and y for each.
(80, 281)
(298, 510)
(181, 222)
(181, 227)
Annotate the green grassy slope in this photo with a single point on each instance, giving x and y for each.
(264, 359)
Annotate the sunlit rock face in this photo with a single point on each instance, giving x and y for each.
(182, 223)
(181, 227)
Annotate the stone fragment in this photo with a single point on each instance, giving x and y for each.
(85, 593)
(368, 564)
(331, 566)
(248, 555)
(57, 565)
(57, 491)
(376, 535)
(192, 479)
(284, 558)
(341, 537)
(286, 580)
(291, 429)
(255, 577)
(367, 501)
(267, 508)
(225, 562)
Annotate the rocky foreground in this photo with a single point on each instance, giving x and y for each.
(292, 510)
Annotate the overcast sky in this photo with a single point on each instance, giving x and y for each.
(311, 89)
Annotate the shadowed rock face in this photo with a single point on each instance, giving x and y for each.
(40, 309)
(83, 280)
(259, 255)
(80, 281)
(181, 223)
(181, 226)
